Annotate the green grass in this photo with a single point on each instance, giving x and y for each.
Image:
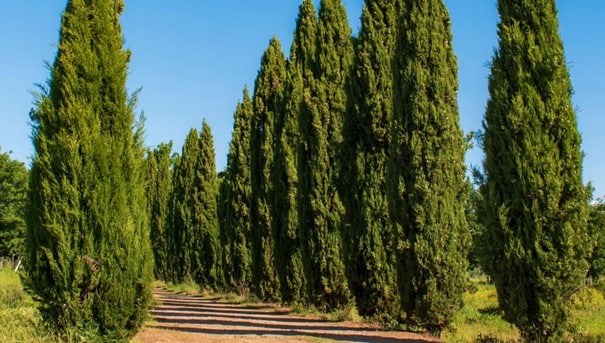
(19, 318)
(480, 319)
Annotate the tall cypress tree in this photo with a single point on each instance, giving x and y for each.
(427, 173)
(288, 158)
(211, 273)
(159, 192)
(186, 230)
(236, 197)
(88, 238)
(195, 217)
(321, 124)
(268, 104)
(535, 205)
(370, 264)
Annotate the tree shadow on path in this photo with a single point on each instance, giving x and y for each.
(210, 317)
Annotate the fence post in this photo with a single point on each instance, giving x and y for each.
(18, 265)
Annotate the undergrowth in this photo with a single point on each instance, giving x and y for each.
(20, 321)
(480, 320)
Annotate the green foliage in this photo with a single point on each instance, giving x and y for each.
(481, 319)
(535, 205)
(268, 102)
(235, 200)
(13, 200)
(211, 253)
(88, 239)
(187, 253)
(288, 157)
(159, 192)
(21, 322)
(369, 237)
(195, 220)
(426, 175)
(321, 128)
(596, 229)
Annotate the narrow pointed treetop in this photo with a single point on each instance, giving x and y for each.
(302, 52)
(535, 208)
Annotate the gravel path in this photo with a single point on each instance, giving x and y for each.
(183, 318)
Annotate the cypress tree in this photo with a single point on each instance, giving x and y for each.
(321, 124)
(211, 274)
(268, 104)
(370, 265)
(159, 192)
(187, 231)
(195, 218)
(288, 157)
(236, 197)
(88, 238)
(535, 205)
(427, 173)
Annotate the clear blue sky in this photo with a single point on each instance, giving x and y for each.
(193, 58)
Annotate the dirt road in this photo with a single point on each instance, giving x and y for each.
(182, 318)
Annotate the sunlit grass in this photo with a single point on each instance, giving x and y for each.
(19, 318)
(480, 319)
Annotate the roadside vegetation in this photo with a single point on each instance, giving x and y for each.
(20, 321)
(480, 319)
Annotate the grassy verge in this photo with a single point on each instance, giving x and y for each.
(480, 319)
(19, 319)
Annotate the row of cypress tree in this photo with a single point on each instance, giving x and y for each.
(345, 183)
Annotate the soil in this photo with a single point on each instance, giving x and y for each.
(184, 318)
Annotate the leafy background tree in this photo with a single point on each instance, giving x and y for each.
(88, 243)
(427, 171)
(596, 229)
(535, 204)
(13, 201)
